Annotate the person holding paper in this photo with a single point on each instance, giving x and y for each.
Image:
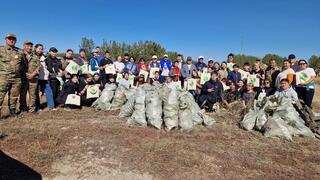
(70, 87)
(54, 67)
(142, 65)
(119, 65)
(83, 87)
(131, 67)
(165, 67)
(305, 82)
(211, 93)
(154, 62)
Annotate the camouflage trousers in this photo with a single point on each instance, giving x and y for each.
(32, 89)
(12, 87)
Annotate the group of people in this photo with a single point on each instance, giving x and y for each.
(30, 71)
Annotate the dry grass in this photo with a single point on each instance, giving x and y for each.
(224, 151)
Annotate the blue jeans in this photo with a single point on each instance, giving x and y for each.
(49, 95)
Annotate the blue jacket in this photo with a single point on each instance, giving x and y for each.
(200, 66)
(185, 72)
(165, 64)
(234, 76)
(131, 68)
(94, 63)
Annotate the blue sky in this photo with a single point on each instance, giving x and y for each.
(193, 27)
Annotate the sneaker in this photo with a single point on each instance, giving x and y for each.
(52, 109)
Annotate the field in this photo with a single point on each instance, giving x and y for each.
(98, 145)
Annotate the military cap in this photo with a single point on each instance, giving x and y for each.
(27, 42)
(11, 35)
(53, 49)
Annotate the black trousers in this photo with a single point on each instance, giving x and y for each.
(305, 94)
(55, 86)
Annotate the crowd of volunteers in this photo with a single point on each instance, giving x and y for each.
(28, 74)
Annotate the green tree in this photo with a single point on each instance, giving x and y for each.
(314, 62)
(87, 44)
(240, 59)
(275, 57)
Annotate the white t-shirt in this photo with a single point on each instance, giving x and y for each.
(119, 66)
(43, 72)
(307, 73)
(283, 75)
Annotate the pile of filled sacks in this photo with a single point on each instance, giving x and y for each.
(155, 105)
(276, 117)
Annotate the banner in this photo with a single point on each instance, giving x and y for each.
(93, 91)
(192, 84)
(153, 72)
(204, 77)
(72, 68)
(252, 79)
(73, 99)
(177, 85)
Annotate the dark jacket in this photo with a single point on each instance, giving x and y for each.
(234, 76)
(53, 66)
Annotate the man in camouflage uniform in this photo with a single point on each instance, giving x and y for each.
(10, 72)
(29, 78)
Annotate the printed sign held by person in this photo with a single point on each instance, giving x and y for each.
(254, 80)
(93, 91)
(72, 68)
(192, 84)
(73, 99)
(153, 72)
(110, 69)
(204, 77)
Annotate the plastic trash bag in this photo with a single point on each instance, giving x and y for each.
(276, 127)
(119, 98)
(249, 120)
(170, 108)
(104, 101)
(262, 118)
(185, 116)
(154, 108)
(128, 108)
(139, 114)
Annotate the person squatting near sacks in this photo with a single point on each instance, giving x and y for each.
(82, 77)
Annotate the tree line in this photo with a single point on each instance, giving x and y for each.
(145, 49)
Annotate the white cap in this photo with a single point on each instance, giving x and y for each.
(200, 57)
(166, 55)
(154, 57)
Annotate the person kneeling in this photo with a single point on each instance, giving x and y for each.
(69, 97)
(211, 93)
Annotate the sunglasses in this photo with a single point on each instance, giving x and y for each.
(12, 38)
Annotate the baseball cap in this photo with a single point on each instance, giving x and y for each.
(189, 58)
(291, 56)
(200, 57)
(11, 35)
(53, 49)
(154, 57)
(166, 55)
(27, 42)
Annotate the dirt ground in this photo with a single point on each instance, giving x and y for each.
(98, 145)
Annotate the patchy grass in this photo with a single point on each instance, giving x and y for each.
(224, 151)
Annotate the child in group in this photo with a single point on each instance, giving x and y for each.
(267, 88)
(240, 87)
(195, 93)
(125, 80)
(97, 81)
(248, 96)
(156, 79)
(70, 87)
(83, 86)
(231, 94)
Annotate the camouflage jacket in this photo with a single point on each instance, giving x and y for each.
(10, 61)
(31, 63)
